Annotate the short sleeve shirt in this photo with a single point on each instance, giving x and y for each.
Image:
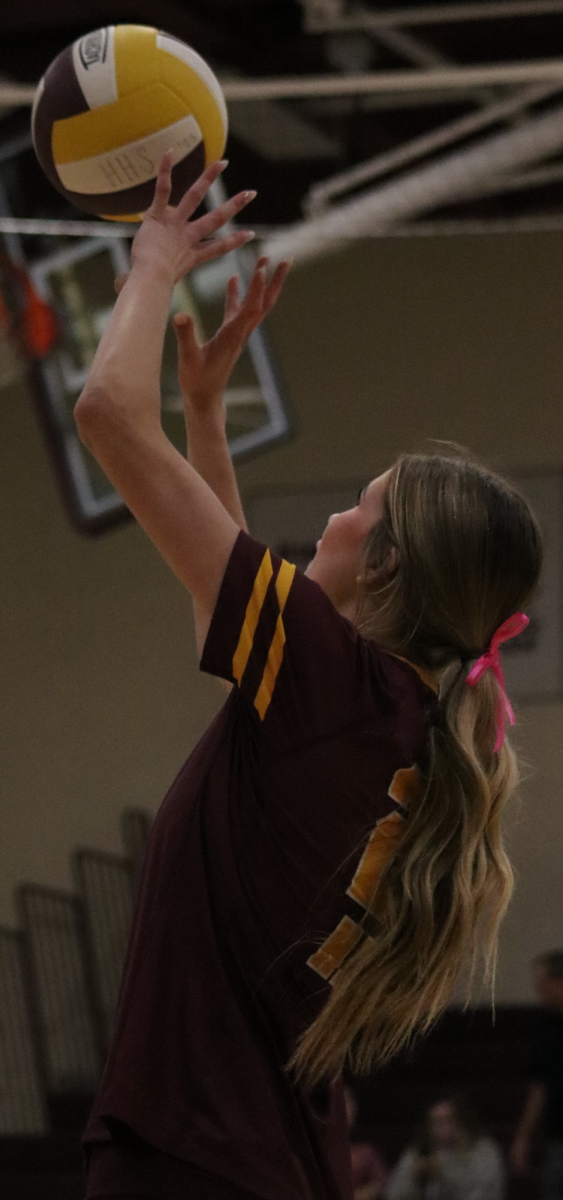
(260, 866)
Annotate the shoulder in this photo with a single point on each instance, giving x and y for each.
(301, 664)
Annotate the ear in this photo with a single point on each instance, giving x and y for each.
(379, 576)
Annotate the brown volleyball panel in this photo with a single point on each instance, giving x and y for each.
(59, 96)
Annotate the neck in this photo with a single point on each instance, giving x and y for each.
(348, 608)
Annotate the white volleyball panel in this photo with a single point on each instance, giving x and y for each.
(94, 63)
(130, 165)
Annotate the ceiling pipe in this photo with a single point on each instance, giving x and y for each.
(444, 79)
(449, 179)
(410, 80)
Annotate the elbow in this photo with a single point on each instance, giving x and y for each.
(110, 415)
(103, 416)
(91, 413)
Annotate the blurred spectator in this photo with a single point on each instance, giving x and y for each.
(369, 1173)
(450, 1160)
(544, 1106)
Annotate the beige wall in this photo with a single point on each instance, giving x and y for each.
(383, 346)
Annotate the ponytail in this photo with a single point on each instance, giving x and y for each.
(440, 897)
(438, 902)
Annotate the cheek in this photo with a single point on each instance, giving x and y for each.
(343, 532)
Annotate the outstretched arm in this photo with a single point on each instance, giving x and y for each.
(118, 413)
(204, 372)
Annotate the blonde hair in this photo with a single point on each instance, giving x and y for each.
(456, 552)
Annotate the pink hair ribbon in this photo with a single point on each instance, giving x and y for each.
(491, 658)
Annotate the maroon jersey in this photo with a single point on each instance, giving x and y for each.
(258, 871)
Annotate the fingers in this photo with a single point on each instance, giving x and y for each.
(185, 332)
(221, 216)
(254, 297)
(261, 297)
(181, 320)
(232, 303)
(163, 186)
(276, 284)
(218, 246)
(192, 199)
(194, 196)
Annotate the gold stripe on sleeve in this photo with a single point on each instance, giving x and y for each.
(275, 653)
(252, 616)
(284, 582)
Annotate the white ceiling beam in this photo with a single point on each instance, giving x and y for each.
(517, 182)
(445, 181)
(42, 226)
(16, 94)
(428, 143)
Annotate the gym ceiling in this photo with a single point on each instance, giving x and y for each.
(320, 88)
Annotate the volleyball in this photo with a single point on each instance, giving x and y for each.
(108, 108)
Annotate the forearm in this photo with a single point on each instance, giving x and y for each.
(208, 453)
(126, 367)
(204, 371)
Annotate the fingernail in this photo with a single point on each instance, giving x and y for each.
(223, 163)
(250, 195)
(250, 234)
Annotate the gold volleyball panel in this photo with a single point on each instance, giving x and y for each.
(174, 73)
(105, 129)
(136, 58)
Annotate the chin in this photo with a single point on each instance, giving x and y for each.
(310, 568)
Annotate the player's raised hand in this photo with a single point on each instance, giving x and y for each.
(169, 239)
(203, 371)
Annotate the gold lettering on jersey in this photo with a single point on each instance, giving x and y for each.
(383, 841)
(275, 654)
(405, 785)
(252, 616)
(326, 960)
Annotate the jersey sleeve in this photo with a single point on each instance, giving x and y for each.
(277, 637)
